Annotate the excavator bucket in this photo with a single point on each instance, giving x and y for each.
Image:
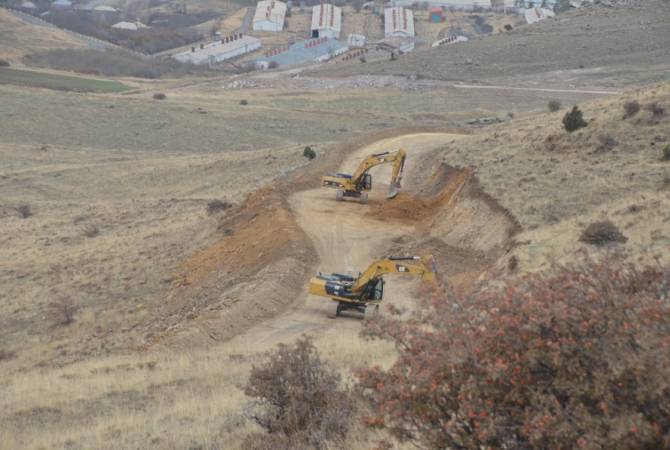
(394, 190)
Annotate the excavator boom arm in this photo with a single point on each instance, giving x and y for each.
(413, 265)
(396, 158)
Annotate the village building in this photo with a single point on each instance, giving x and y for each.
(326, 21)
(130, 26)
(269, 16)
(227, 48)
(398, 22)
(534, 15)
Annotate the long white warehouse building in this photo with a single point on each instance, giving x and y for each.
(218, 51)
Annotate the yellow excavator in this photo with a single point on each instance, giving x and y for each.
(367, 290)
(358, 184)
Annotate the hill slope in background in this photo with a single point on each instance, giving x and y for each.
(622, 42)
(556, 183)
(20, 38)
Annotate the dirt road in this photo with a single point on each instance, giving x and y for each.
(346, 241)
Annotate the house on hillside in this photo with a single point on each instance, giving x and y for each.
(226, 48)
(105, 14)
(61, 5)
(436, 14)
(326, 21)
(534, 15)
(130, 26)
(29, 7)
(398, 22)
(269, 16)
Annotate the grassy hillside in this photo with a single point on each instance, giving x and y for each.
(59, 82)
(555, 182)
(626, 41)
(20, 38)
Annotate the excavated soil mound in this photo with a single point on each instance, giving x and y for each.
(438, 192)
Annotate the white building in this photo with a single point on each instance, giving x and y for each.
(465, 5)
(269, 16)
(129, 26)
(226, 48)
(326, 21)
(533, 15)
(398, 22)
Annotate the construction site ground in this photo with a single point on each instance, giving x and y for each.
(172, 304)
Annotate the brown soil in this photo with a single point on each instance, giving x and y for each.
(440, 191)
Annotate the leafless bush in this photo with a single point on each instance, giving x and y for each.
(630, 108)
(273, 65)
(244, 102)
(606, 143)
(666, 153)
(6, 355)
(159, 96)
(601, 233)
(63, 312)
(90, 230)
(301, 402)
(4, 63)
(530, 365)
(656, 109)
(513, 264)
(216, 206)
(554, 105)
(24, 211)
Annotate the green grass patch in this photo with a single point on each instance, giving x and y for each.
(59, 82)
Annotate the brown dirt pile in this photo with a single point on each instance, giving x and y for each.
(441, 190)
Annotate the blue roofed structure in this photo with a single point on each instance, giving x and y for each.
(313, 50)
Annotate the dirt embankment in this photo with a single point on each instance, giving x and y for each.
(255, 271)
(464, 228)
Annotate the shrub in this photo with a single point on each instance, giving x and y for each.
(554, 105)
(666, 153)
(656, 109)
(216, 206)
(244, 102)
(4, 63)
(159, 96)
(606, 143)
(574, 120)
(573, 358)
(6, 355)
(300, 398)
(309, 153)
(63, 312)
(630, 108)
(601, 233)
(273, 65)
(24, 211)
(363, 59)
(90, 230)
(508, 27)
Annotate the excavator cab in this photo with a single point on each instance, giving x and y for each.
(366, 182)
(374, 290)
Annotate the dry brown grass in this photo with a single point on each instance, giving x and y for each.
(555, 183)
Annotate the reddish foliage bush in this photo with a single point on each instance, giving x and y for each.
(302, 403)
(577, 358)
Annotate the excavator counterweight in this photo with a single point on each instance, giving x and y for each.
(359, 183)
(367, 290)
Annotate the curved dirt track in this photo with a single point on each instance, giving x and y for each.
(347, 239)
